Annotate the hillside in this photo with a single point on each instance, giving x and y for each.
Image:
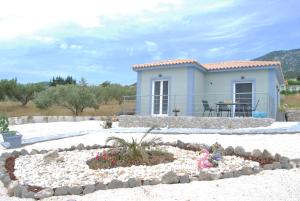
(290, 61)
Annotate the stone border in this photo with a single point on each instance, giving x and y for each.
(193, 122)
(18, 190)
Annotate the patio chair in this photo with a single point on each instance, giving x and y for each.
(223, 108)
(250, 110)
(206, 107)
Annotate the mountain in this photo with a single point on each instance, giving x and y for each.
(290, 61)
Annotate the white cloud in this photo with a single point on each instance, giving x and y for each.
(30, 16)
(65, 45)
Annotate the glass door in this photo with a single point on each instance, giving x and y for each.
(243, 98)
(160, 98)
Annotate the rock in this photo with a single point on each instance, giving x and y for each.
(180, 144)
(170, 178)
(100, 186)
(256, 153)
(76, 190)
(18, 191)
(6, 155)
(267, 155)
(227, 175)
(277, 157)
(88, 147)
(257, 169)
(286, 166)
(184, 179)
(284, 159)
(285, 162)
(268, 167)
(24, 152)
(151, 182)
(45, 193)
(276, 165)
(132, 182)
(80, 146)
(204, 176)
(237, 173)
(115, 184)
(15, 153)
(27, 194)
(194, 178)
(89, 189)
(61, 191)
(34, 151)
(240, 151)
(229, 151)
(51, 157)
(95, 146)
(6, 180)
(43, 151)
(72, 148)
(246, 171)
(60, 149)
(215, 175)
(11, 187)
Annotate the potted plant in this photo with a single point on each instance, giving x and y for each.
(12, 137)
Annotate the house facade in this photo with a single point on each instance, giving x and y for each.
(181, 86)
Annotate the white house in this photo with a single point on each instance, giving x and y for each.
(186, 87)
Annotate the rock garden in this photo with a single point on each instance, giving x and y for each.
(126, 164)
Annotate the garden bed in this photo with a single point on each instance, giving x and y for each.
(66, 171)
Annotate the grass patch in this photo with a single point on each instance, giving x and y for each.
(15, 109)
(292, 101)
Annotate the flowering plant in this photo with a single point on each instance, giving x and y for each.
(207, 159)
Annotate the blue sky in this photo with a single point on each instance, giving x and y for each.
(100, 40)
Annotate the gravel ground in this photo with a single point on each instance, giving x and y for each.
(268, 185)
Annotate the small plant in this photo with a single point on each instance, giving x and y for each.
(135, 149)
(4, 123)
(127, 153)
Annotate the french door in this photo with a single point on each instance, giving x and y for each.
(243, 96)
(160, 97)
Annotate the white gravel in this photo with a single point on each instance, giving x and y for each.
(268, 185)
(73, 171)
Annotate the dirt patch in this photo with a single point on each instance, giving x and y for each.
(153, 158)
(10, 167)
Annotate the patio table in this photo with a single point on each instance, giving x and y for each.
(243, 106)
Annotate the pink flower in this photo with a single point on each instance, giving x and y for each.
(97, 156)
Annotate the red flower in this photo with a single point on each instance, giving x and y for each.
(104, 155)
(113, 162)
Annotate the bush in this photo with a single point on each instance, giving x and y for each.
(73, 97)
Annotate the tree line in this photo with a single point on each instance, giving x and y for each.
(66, 92)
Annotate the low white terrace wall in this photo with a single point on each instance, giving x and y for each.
(193, 122)
(46, 119)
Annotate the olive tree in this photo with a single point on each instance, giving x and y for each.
(73, 97)
(25, 92)
(6, 88)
